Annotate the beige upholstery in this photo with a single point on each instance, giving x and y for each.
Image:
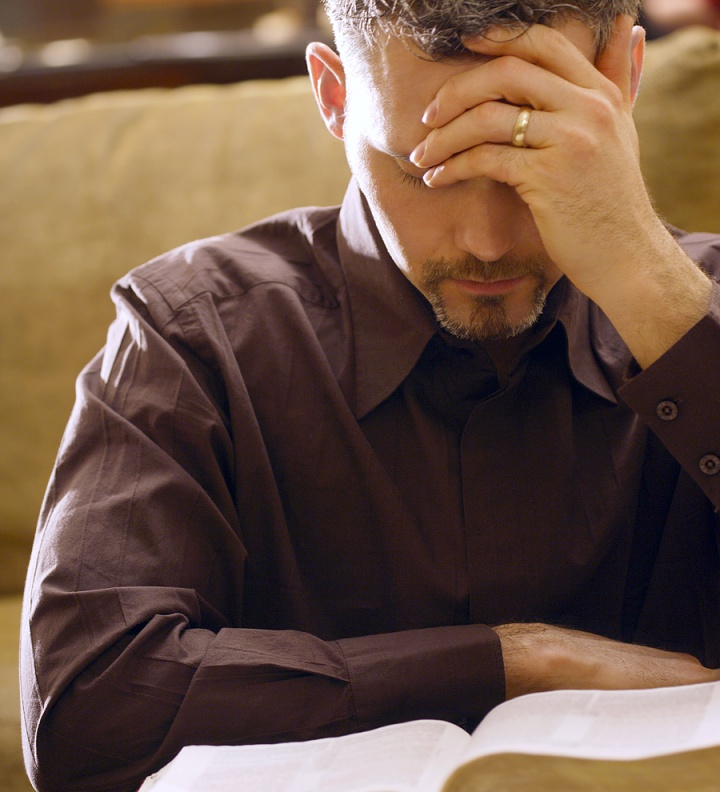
(678, 118)
(90, 188)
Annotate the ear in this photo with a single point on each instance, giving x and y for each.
(626, 40)
(328, 81)
(637, 56)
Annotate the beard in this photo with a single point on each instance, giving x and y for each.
(488, 316)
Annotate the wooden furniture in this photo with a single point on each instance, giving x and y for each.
(57, 49)
(160, 62)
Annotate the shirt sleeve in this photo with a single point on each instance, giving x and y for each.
(134, 640)
(678, 397)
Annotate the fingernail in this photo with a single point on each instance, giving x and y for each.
(430, 175)
(430, 112)
(417, 154)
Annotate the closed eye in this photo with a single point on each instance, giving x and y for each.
(408, 178)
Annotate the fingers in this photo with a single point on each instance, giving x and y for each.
(481, 106)
(539, 68)
(552, 50)
(526, 68)
(466, 150)
(490, 122)
(544, 46)
(501, 163)
(510, 79)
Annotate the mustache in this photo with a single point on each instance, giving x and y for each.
(470, 267)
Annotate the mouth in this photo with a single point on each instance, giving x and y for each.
(490, 288)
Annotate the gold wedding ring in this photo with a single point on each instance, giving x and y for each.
(520, 128)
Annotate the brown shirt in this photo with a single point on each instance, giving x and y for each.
(286, 505)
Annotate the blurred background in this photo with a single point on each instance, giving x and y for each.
(53, 49)
(664, 16)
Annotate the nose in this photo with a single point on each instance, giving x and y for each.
(490, 219)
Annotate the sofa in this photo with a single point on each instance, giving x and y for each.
(91, 187)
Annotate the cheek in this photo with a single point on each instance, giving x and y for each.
(410, 218)
(408, 223)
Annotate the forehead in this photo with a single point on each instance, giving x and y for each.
(389, 87)
(391, 83)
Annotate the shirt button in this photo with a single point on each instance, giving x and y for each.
(667, 410)
(710, 464)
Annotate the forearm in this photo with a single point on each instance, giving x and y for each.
(657, 299)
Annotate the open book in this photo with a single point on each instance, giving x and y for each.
(662, 740)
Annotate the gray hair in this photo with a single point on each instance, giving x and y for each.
(437, 27)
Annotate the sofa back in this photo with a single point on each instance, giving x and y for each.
(678, 120)
(90, 188)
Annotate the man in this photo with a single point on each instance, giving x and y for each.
(453, 442)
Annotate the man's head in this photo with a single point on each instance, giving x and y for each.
(472, 249)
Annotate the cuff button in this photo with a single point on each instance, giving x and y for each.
(667, 410)
(710, 464)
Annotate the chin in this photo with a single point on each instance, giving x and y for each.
(489, 319)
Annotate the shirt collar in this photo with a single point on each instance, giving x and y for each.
(391, 325)
(590, 338)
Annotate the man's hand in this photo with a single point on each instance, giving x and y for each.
(579, 172)
(541, 657)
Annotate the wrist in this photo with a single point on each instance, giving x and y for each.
(653, 295)
(534, 658)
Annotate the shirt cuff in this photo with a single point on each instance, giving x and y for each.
(678, 397)
(450, 673)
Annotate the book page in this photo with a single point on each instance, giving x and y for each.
(398, 758)
(624, 724)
